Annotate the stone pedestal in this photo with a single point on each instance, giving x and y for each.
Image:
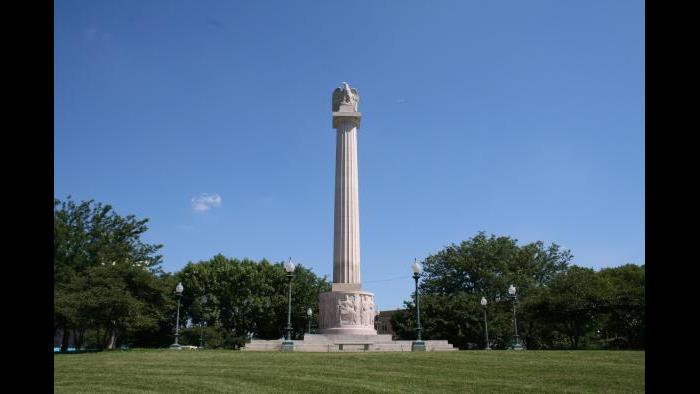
(347, 313)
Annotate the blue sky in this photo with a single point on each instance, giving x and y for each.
(517, 118)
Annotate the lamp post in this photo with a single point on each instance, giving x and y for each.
(201, 323)
(178, 292)
(287, 344)
(516, 344)
(486, 324)
(418, 345)
(309, 312)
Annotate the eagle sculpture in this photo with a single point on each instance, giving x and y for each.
(344, 94)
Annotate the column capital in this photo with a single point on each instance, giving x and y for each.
(341, 116)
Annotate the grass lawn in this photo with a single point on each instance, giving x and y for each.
(253, 372)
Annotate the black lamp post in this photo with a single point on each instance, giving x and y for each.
(516, 343)
(178, 292)
(287, 344)
(486, 324)
(418, 345)
(309, 312)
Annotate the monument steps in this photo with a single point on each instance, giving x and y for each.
(350, 343)
(263, 345)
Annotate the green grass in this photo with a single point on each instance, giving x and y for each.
(254, 372)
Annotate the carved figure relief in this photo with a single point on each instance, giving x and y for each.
(357, 306)
(356, 310)
(346, 308)
(345, 95)
(367, 311)
(364, 311)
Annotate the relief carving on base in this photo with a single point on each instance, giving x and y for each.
(356, 310)
(347, 310)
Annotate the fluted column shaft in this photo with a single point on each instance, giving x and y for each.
(346, 241)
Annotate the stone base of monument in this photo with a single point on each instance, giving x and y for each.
(346, 312)
(349, 343)
(346, 323)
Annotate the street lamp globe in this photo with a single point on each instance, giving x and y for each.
(289, 266)
(416, 268)
(511, 290)
(179, 288)
(483, 301)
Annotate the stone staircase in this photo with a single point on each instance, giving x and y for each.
(263, 345)
(348, 343)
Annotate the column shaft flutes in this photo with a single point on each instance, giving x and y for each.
(346, 241)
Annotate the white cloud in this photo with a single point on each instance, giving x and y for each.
(205, 201)
(92, 34)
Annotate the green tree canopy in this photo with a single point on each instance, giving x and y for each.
(248, 298)
(455, 278)
(571, 304)
(489, 265)
(105, 276)
(624, 323)
(558, 305)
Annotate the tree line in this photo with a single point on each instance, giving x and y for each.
(110, 290)
(558, 305)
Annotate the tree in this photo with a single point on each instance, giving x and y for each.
(104, 275)
(456, 277)
(457, 319)
(571, 305)
(624, 322)
(163, 307)
(248, 298)
(583, 307)
(489, 265)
